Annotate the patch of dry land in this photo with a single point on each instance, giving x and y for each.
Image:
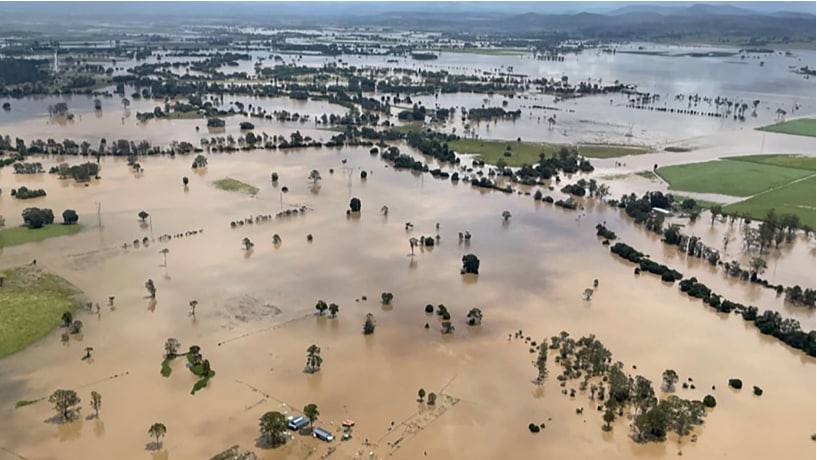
(254, 318)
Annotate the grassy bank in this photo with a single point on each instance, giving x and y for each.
(33, 302)
(13, 236)
(234, 185)
(799, 127)
(491, 151)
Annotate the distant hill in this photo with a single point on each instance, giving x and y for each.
(755, 23)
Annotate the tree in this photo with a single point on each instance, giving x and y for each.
(642, 394)
(313, 359)
(96, 402)
(314, 176)
(608, 418)
(470, 264)
(670, 378)
(474, 317)
(143, 216)
(767, 230)
(421, 395)
(758, 265)
(714, 212)
(151, 288)
(69, 217)
(200, 161)
(321, 307)
(67, 319)
(652, 425)
(185, 181)
(164, 252)
(172, 347)
(311, 412)
(386, 298)
(368, 325)
(247, 244)
(158, 430)
(65, 402)
(37, 217)
(506, 215)
(354, 204)
(333, 309)
(446, 324)
(273, 426)
(432, 399)
(541, 363)
(75, 327)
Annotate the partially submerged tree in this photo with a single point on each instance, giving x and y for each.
(541, 363)
(172, 346)
(470, 264)
(333, 309)
(70, 217)
(158, 430)
(354, 205)
(273, 427)
(65, 403)
(669, 378)
(247, 244)
(200, 162)
(151, 288)
(474, 317)
(321, 306)
(96, 403)
(368, 325)
(313, 359)
(311, 412)
(386, 298)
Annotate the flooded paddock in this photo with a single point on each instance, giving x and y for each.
(533, 271)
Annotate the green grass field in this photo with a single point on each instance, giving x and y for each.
(13, 236)
(796, 198)
(800, 127)
(33, 302)
(730, 176)
(787, 161)
(234, 185)
(523, 153)
(785, 183)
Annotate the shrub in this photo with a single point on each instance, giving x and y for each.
(534, 428)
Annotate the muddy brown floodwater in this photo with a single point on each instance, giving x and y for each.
(533, 271)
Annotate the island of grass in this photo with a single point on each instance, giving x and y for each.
(515, 153)
(234, 185)
(785, 183)
(13, 236)
(33, 302)
(799, 127)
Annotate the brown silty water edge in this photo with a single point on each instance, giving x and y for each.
(533, 272)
